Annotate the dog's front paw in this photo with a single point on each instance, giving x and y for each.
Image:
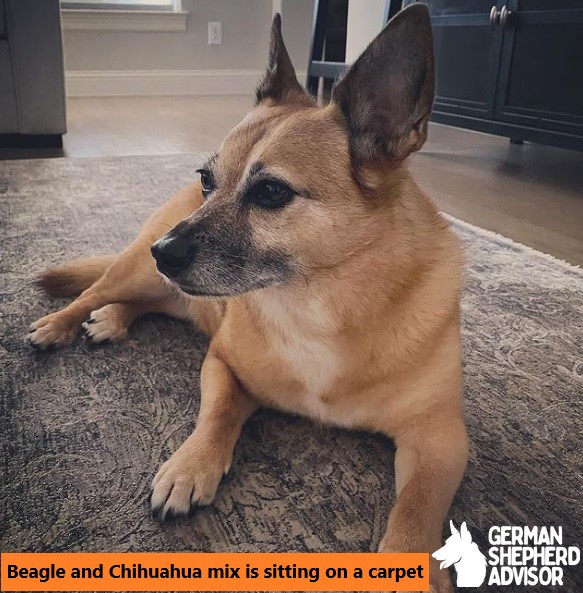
(54, 330)
(189, 479)
(108, 324)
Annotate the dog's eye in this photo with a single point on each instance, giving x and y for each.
(206, 180)
(271, 194)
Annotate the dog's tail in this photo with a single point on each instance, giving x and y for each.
(74, 277)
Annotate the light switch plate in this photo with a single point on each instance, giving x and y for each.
(215, 33)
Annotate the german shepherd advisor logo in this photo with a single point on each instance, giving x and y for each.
(459, 550)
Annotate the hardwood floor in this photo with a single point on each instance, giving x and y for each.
(150, 125)
(531, 193)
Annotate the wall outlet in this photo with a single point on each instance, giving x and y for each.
(215, 33)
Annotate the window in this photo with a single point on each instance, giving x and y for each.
(173, 5)
(123, 15)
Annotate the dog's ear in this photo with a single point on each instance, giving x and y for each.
(387, 95)
(279, 82)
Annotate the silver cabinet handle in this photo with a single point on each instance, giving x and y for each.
(505, 14)
(494, 17)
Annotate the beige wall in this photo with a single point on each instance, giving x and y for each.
(365, 20)
(245, 40)
(297, 30)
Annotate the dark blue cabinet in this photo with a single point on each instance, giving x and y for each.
(510, 67)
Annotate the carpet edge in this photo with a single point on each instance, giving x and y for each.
(511, 242)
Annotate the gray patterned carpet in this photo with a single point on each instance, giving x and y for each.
(83, 430)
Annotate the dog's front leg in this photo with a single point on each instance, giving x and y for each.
(191, 476)
(130, 277)
(429, 463)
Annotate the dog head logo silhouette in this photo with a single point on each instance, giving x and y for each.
(464, 554)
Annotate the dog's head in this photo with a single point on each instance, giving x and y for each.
(294, 188)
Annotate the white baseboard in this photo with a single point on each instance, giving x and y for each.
(104, 83)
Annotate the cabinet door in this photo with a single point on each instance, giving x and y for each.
(541, 71)
(467, 55)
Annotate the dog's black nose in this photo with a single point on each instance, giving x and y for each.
(172, 255)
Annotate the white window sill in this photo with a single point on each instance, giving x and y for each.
(123, 20)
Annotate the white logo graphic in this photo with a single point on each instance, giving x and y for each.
(464, 554)
(518, 555)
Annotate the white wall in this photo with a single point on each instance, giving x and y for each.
(365, 20)
(297, 31)
(97, 61)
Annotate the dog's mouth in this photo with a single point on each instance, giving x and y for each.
(236, 286)
(243, 286)
(202, 293)
(190, 290)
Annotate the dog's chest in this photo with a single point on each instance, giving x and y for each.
(302, 368)
(313, 364)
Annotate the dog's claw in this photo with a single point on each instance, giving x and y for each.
(170, 516)
(40, 347)
(156, 512)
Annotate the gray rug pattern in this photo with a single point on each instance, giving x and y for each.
(84, 429)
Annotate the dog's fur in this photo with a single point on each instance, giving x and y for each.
(343, 305)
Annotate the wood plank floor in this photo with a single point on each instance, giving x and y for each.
(531, 193)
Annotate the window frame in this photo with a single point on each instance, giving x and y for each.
(123, 17)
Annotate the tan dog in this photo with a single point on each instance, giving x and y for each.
(328, 281)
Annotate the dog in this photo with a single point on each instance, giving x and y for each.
(328, 282)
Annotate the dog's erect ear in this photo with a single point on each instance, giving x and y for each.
(387, 95)
(279, 82)
(452, 528)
